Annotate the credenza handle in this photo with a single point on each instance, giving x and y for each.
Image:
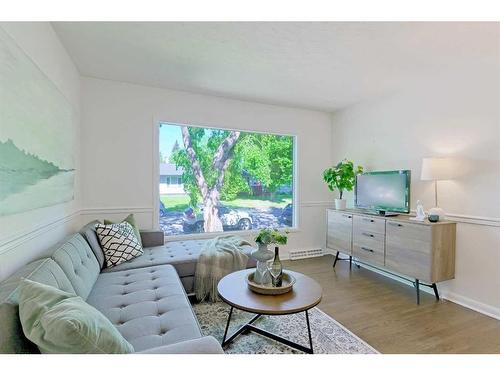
(367, 249)
(368, 234)
(347, 216)
(369, 220)
(395, 224)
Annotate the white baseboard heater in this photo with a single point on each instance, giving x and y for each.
(301, 254)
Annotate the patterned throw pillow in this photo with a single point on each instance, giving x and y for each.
(119, 243)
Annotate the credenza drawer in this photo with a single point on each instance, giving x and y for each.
(408, 231)
(339, 232)
(369, 239)
(369, 254)
(370, 224)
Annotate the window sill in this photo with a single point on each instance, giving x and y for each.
(205, 236)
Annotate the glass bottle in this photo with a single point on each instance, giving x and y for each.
(277, 268)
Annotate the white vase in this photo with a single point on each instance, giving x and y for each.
(340, 204)
(262, 256)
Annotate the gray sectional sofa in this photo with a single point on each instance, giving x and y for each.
(145, 298)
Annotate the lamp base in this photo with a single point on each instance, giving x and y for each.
(437, 211)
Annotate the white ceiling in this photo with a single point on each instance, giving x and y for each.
(322, 66)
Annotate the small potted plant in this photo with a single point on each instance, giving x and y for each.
(263, 254)
(341, 177)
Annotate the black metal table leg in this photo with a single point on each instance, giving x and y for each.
(350, 261)
(249, 327)
(417, 287)
(243, 328)
(227, 325)
(436, 293)
(309, 332)
(336, 259)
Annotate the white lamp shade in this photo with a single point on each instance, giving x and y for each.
(437, 169)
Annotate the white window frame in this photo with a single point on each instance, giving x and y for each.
(156, 182)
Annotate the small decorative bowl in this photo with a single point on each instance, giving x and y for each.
(433, 218)
(268, 289)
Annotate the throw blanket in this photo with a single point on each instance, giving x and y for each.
(219, 257)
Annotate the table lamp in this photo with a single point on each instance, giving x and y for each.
(437, 169)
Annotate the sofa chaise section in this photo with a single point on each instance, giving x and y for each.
(183, 255)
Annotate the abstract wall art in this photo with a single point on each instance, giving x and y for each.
(37, 135)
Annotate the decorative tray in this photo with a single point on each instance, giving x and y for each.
(287, 285)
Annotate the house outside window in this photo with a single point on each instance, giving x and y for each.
(170, 179)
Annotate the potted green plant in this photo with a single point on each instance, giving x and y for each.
(271, 236)
(266, 237)
(341, 177)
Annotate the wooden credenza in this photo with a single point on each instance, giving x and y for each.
(423, 252)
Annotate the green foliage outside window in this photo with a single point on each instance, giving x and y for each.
(265, 158)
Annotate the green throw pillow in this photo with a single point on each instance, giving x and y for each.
(60, 322)
(131, 220)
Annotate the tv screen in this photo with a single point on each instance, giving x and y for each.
(387, 191)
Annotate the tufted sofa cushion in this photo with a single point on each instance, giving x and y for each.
(88, 232)
(79, 263)
(46, 271)
(148, 306)
(183, 255)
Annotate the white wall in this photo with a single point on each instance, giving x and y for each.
(26, 236)
(457, 115)
(118, 148)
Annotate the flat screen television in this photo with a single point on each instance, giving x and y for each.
(383, 192)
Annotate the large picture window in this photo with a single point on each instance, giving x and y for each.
(215, 180)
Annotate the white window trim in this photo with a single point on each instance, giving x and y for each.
(156, 182)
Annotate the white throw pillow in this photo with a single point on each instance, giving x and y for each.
(119, 243)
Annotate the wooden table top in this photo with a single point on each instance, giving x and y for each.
(233, 290)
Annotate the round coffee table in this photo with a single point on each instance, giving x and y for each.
(233, 290)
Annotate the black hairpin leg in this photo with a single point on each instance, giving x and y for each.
(417, 288)
(336, 259)
(249, 327)
(436, 293)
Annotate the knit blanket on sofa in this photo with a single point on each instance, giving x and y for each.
(219, 257)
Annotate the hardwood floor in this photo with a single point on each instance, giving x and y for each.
(383, 312)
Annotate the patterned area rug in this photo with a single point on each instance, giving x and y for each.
(329, 336)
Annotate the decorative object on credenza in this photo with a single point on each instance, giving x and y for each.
(433, 218)
(437, 169)
(341, 177)
(262, 255)
(420, 213)
(287, 282)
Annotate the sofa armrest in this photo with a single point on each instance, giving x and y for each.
(204, 345)
(151, 238)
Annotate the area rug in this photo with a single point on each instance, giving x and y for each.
(329, 336)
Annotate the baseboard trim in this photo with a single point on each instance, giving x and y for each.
(480, 307)
(16, 240)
